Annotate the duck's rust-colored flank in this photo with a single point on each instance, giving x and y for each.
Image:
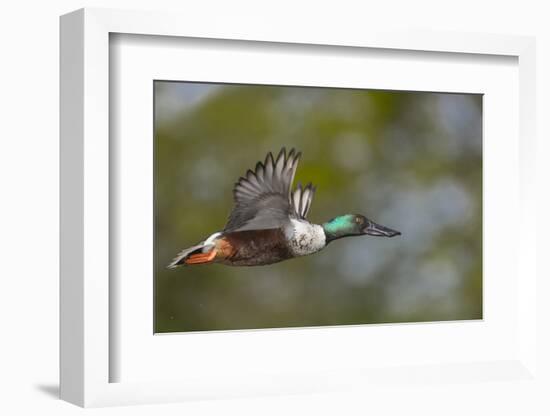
(251, 248)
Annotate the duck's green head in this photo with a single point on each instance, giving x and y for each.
(354, 224)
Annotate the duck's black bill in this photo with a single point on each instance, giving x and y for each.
(378, 230)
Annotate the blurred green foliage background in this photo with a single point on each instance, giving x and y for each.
(408, 160)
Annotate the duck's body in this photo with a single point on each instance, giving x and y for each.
(268, 223)
(260, 247)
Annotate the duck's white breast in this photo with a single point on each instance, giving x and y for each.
(305, 238)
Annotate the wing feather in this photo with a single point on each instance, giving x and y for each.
(262, 197)
(302, 198)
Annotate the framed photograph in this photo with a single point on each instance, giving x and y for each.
(270, 213)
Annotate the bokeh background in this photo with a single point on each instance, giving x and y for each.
(408, 160)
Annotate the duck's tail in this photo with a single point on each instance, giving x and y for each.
(201, 253)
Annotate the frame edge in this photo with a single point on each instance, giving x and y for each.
(71, 221)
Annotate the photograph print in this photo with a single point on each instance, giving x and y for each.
(289, 206)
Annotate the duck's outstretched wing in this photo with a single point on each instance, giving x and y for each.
(262, 197)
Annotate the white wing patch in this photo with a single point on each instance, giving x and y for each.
(211, 239)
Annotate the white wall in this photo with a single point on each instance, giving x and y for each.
(29, 209)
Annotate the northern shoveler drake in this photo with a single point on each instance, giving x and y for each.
(269, 223)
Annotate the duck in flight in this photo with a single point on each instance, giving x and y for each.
(268, 223)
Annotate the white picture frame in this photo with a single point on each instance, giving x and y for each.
(86, 292)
